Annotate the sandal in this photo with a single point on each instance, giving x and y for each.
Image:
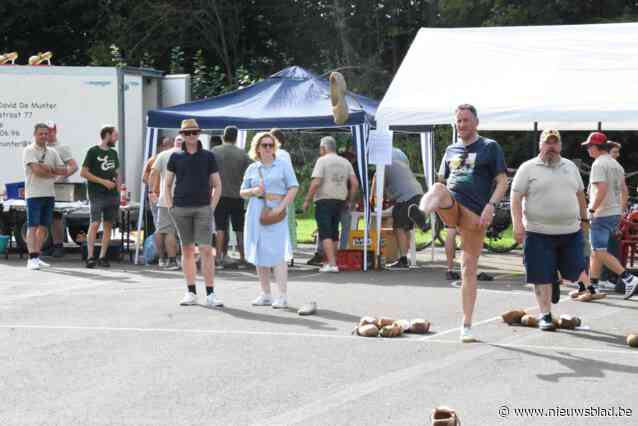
(484, 277)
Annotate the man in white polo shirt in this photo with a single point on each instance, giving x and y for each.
(548, 212)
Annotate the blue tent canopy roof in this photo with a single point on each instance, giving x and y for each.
(293, 98)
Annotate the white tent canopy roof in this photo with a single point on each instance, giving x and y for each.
(566, 77)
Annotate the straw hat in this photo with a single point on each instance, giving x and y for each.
(5, 58)
(40, 58)
(189, 125)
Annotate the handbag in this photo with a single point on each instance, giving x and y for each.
(267, 216)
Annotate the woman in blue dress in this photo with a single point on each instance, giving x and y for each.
(269, 181)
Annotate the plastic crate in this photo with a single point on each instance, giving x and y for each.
(4, 243)
(352, 260)
(15, 191)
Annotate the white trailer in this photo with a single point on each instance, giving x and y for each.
(81, 100)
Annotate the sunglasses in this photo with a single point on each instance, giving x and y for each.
(191, 133)
(267, 145)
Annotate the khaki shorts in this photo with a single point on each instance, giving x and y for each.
(466, 221)
(194, 224)
(165, 224)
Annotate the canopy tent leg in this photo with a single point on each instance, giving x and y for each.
(241, 139)
(380, 178)
(427, 156)
(360, 137)
(149, 150)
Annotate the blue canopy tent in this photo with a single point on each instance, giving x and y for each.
(292, 99)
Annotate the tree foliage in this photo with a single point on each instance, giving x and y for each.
(226, 44)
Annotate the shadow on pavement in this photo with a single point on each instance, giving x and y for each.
(275, 319)
(580, 367)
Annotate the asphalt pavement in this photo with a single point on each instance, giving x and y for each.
(113, 347)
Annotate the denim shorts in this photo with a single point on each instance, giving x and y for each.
(601, 231)
(544, 254)
(40, 211)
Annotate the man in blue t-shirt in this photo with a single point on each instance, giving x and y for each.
(468, 200)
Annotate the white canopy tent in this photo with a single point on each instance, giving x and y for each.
(571, 77)
(568, 77)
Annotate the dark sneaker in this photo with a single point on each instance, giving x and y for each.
(103, 262)
(484, 276)
(452, 276)
(620, 287)
(402, 263)
(418, 217)
(172, 265)
(315, 260)
(58, 252)
(91, 263)
(546, 323)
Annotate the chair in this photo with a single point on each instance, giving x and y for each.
(629, 239)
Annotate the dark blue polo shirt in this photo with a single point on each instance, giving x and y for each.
(192, 177)
(470, 171)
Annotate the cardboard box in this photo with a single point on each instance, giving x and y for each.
(389, 248)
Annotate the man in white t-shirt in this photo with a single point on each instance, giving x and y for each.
(166, 232)
(607, 201)
(64, 151)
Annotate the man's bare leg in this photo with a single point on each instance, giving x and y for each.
(106, 238)
(170, 244)
(329, 250)
(219, 246)
(468, 288)
(437, 197)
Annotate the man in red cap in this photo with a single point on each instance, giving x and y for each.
(607, 201)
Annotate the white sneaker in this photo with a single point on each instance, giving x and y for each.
(631, 286)
(606, 285)
(189, 299)
(263, 300)
(213, 301)
(329, 268)
(42, 263)
(33, 264)
(163, 262)
(280, 303)
(467, 336)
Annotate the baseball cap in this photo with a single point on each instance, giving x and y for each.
(51, 125)
(547, 133)
(595, 138)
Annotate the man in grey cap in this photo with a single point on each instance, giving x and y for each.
(333, 188)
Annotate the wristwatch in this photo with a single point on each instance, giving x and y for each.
(592, 211)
